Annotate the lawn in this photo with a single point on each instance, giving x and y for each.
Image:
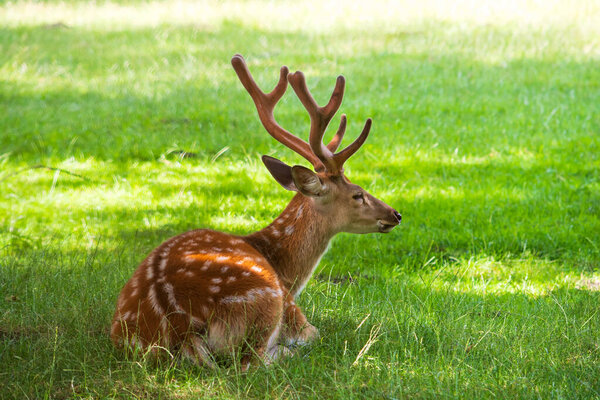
(486, 138)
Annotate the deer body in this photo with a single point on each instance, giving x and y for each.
(205, 292)
(216, 286)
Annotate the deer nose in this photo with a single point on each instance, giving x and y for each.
(398, 216)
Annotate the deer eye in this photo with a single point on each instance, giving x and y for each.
(358, 196)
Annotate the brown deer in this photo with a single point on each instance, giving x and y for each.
(206, 292)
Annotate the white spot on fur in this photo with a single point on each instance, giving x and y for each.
(154, 301)
(299, 213)
(168, 288)
(224, 269)
(289, 230)
(231, 279)
(256, 268)
(150, 259)
(163, 264)
(149, 273)
(275, 232)
(233, 299)
(204, 267)
(248, 297)
(134, 282)
(216, 280)
(214, 289)
(274, 292)
(246, 273)
(121, 302)
(163, 330)
(222, 258)
(189, 274)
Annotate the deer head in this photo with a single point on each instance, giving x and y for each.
(348, 207)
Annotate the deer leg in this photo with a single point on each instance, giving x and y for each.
(196, 350)
(262, 345)
(297, 329)
(261, 342)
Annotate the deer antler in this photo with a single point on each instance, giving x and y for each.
(319, 119)
(320, 156)
(265, 104)
(320, 116)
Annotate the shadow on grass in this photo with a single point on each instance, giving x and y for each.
(449, 211)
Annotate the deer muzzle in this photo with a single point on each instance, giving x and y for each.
(386, 226)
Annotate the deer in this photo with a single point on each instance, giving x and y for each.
(204, 292)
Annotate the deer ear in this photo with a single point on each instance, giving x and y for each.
(281, 172)
(307, 182)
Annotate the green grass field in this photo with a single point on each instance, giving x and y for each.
(486, 139)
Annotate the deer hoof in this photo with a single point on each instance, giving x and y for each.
(276, 353)
(308, 334)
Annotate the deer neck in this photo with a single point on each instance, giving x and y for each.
(294, 242)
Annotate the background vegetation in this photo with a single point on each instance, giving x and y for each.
(487, 118)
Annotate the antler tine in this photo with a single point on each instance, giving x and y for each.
(341, 157)
(320, 117)
(337, 139)
(265, 104)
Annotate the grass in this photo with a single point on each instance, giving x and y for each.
(486, 138)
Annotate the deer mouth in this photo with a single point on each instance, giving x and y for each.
(385, 227)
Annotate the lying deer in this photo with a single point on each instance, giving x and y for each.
(205, 292)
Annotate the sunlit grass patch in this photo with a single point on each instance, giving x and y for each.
(307, 15)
